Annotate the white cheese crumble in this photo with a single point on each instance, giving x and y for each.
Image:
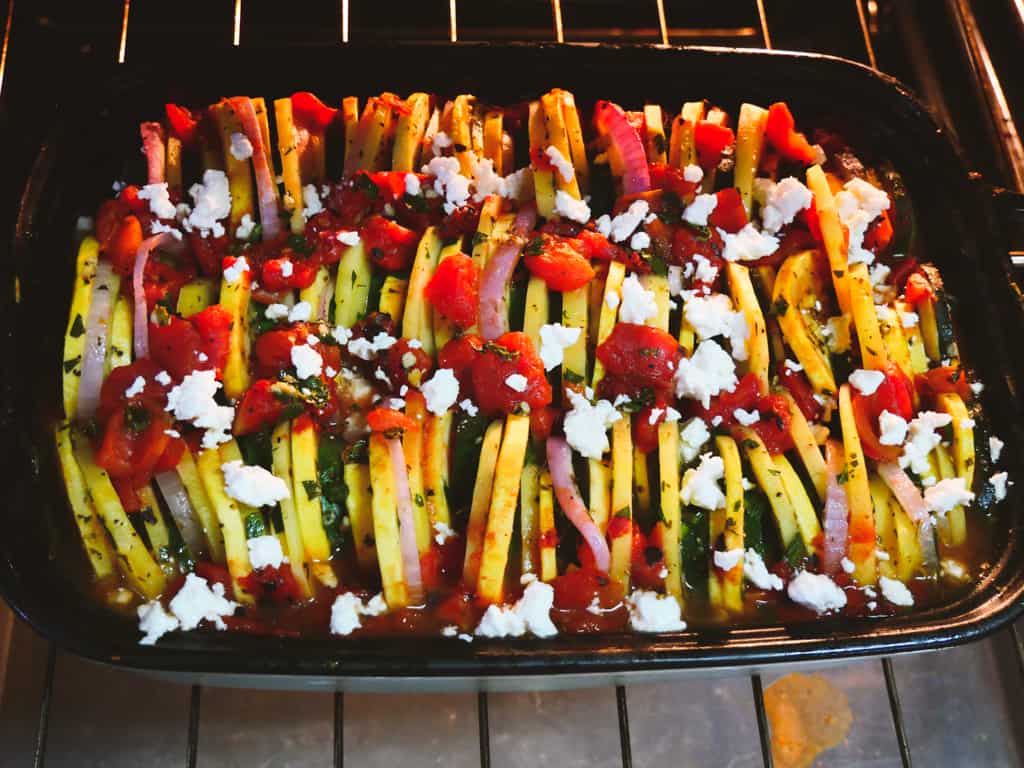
(241, 147)
(367, 349)
(638, 304)
(947, 494)
(748, 244)
(697, 212)
(211, 203)
(653, 612)
(349, 238)
(704, 271)
(561, 164)
(253, 485)
(469, 407)
(859, 204)
(159, 200)
(895, 591)
(569, 207)
(245, 228)
(517, 382)
(265, 551)
(276, 312)
(757, 573)
(158, 228)
(816, 591)
(866, 382)
(233, 273)
(847, 565)
(995, 448)
(729, 559)
(892, 428)
(300, 313)
(700, 484)
(412, 184)
(441, 391)
(347, 609)
(531, 613)
(154, 622)
(163, 378)
(922, 440)
(612, 300)
(707, 373)
(640, 241)
(449, 183)
(712, 316)
(693, 173)
(287, 268)
(307, 361)
(136, 387)
(909, 319)
(793, 367)
(192, 400)
(555, 338)
(784, 201)
(311, 201)
(622, 226)
(745, 417)
(197, 601)
(692, 438)
(999, 481)
(586, 425)
(442, 532)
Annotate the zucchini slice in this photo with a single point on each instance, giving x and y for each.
(352, 286)
(547, 533)
(288, 150)
(832, 233)
(229, 517)
(806, 517)
(437, 437)
(281, 464)
(409, 134)
(385, 524)
(412, 446)
(749, 145)
(885, 527)
(481, 501)
(799, 285)
(188, 473)
(609, 313)
(529, 517)
(359, 505)
(770, 479)
(622, 502)
(234, 297)
(758, 356)
(861, 547)
(654, 134)
(544, 184)
(865, 319)
(74, 334)
(95, 542)
(417, 322)
(668, 474)
(807, 447)
(728, 523)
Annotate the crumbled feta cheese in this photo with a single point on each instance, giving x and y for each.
(700, 484)
(329, 372)
(412, 184)
(349, 238)
(693, 173)
(622, 226)
(569, 207)
(341, 334)
(995, 448)
(586, 425)
(999, 481)
(277, 312)
(655, 416)
(692, 438)
(895, 592)
(211, 203)
(442, 532)
(640, 241)
(469, 407)
(381, 376)
(516, 382)
(697, 212)
(192, 400)
(136, 387)
(611, 299)
(866, 382)
(746, 418)
(881, 554)
(653, 612)
(241, 147)
(159, 228)
(785, 200)
(675, 281)
(238, 267)
(300, 313)
(311, 201)
(704, 270)
(307, 361)
(345, 614)
(747, 244)
(265, 551)
(163, 378)
(531, 613)
(253, 485)
(561, 164)
(287, 268)
(847, 565)
(757, 573)
(555, 338)
(172, 433)
(922, 440)
(367, 349)
(793, 367)
(892, 428)
(947, 494)
(816, 591)
(441, 391)
(672, 415)
(449, 182)
(154, 622)
(859, 203)
(729, 559)
(707, 373)
(441, 142)
(450, 631)
(245, 228)
(977, 387)
(604, 224)
(909, 319)
(638, 304)
(712, 316)
(196, 601)
(160, 204)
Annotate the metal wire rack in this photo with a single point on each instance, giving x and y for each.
(997, 124)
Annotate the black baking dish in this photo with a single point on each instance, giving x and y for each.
(96, 129)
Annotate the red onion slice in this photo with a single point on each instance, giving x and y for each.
(626, 142)
(94, 354)
(406, 524)
(496, 275)
(916, 507)
(837, 510)
(153, 148)
(270, 220)
(569, 499)
(323, 311)
(140, 319)
(180, 507)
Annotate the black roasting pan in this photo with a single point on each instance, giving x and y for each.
(962, 221)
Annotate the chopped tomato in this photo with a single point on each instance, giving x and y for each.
(773, 426)
(182, 123)
(310, 112)
(800, 388)
(165, 273)
(558, 263)
(406, 365)
(918, 289)
(108, 219)
(781, 133)
(459, 354)
(688, 242)
(461, 222)
(386, 420)
(619, 526)
(259, 408)
(596, 247)
(540, 161)
(809, 216)
(948, 378)
(711, 140)
(273, 350)
(134, 439)
(879, 234)
(647, 559)
(894, 395)
(209, 252)
(214, 327)
(542, 421)
(276, 585)
(640, 355)
(729, 214)
(284, 273)
(645, 434)
(509, 355)
(724, 405)
(671, 179)
(123, 245)
(176, 347)
(578, 588)
(390, 246)
(454, 290)
(120, 379)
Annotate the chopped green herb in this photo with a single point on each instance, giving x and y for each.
(77, 327)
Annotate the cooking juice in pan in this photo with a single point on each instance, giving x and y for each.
(444, 367)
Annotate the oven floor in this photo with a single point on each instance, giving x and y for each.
(959, 707)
